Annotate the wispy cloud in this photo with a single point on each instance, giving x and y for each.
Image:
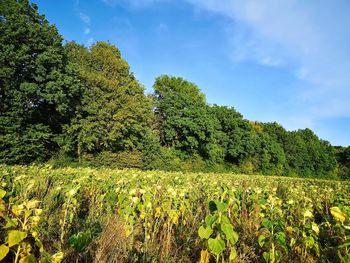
(308, 39)
(85, 18)
(90, 41)
(311, 39)
(132, 3)
(162, 28)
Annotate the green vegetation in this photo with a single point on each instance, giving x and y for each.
(81, 106)
(84, 214)
(75, 115)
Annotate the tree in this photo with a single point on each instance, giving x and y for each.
(183, 117)
(38, 87)
(343, 160)
(114, 114)
(235, 134)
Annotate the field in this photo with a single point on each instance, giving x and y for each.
(103, 215)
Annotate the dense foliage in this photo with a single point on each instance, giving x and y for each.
(76, 105)
(105, 215)
(38, 85)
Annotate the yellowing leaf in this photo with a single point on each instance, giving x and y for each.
(308, 214)
(2, 193)
(338, 214)
(28, 259)
(315, 228)
(204, 256)
(3, 251)
(15, 237)
(233, 254)
(57, 258)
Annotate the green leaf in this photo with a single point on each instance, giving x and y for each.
(311, 241)
(2, 193)
(216, 246)
(205, 232)
(281, 239)
(267, 223)
(210, 219)
(261, 240)
(15, 237)
(231, 235)
(80, 240)
(266, 256)
(346, 243)
(3, 251)
(225, 219)
(28, 259)
(221, 206)
(10, 223)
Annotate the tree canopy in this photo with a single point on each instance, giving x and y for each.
(39, 86)
(76, 101)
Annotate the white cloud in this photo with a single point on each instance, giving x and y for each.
(132, 3)
(87, 31)
(90, 41)
(85, 18)
(309, 38)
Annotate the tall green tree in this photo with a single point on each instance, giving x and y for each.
(343, 161)
(183, 117)
(38, 87)
(234, 134)
(114, 114)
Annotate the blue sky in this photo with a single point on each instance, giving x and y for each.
(286, 61)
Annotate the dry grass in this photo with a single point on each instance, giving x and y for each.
(112, 246)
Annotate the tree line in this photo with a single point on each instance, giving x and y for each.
(71, 104)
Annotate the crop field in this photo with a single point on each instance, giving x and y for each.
(103, 215)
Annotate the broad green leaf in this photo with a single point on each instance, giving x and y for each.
(205, 232)
(231, 235)
(267, 223)
(210, 219)
(28, 259)
(221, 206)
(216, 245)
(80, 240)
(281, 239)
(338, 214)
(2, 193)
(15, 237)
(311, 241)
(261, 240)
(3, 251)
(10, 222)
(225, 220)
